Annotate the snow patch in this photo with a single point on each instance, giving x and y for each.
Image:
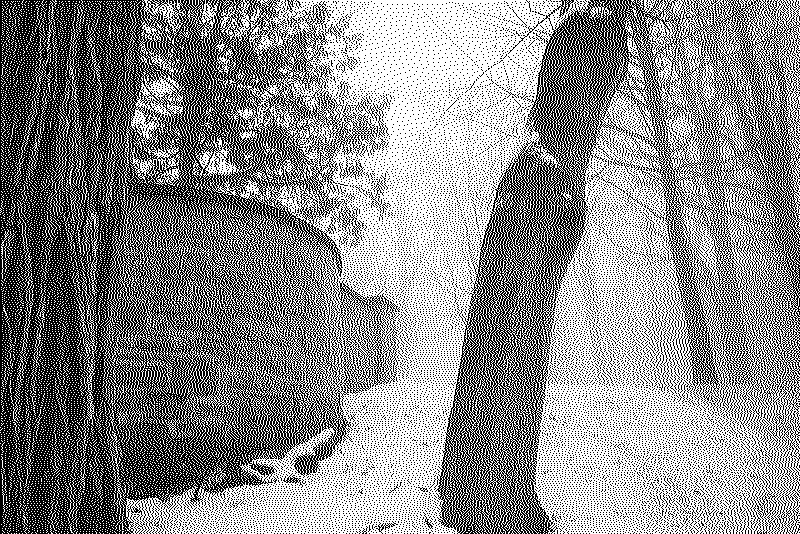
(611, 459)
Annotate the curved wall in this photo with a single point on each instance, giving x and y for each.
(226, 325)
(369, 335)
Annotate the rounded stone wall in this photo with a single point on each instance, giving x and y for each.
(226, 331)
(369, 332)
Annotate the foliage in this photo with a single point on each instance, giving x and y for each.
(251, 94)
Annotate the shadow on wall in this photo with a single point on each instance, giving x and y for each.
(231, 336)
(369, 330)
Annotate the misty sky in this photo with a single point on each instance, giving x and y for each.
(443, 163)
(462, 77)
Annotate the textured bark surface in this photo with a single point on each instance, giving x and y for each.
(488, 471)
(585, 60)
(70, 81)
(488, 480)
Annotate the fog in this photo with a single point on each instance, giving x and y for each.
(462, 78)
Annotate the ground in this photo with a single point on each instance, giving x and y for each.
(612, 460)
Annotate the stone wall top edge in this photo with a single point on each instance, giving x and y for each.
(375, 299)
(281, 215)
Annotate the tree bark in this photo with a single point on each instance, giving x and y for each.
(699, 342)
(488, 479)
(489, 467)
(197, 58)
(68, 95)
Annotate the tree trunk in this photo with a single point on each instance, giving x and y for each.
(197, 55)
(772, 146)
(699, 342)
(489, 467)
(67, 101)
(488, 479)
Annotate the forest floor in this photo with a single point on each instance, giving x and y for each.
(612, 460)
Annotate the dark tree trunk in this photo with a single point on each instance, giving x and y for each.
(699, 341)
(197, 71)
(488, 479)
(488, 472)
(69, 89)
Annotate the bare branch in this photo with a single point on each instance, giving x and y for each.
(628, 165)
(615, 127)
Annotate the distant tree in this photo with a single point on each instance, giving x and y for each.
(766, 118)
(70, 73)
(593, 318)
(703, 113)
(699, 340)
(718, 171)
(247, 97)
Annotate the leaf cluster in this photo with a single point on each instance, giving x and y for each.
(252, 93)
